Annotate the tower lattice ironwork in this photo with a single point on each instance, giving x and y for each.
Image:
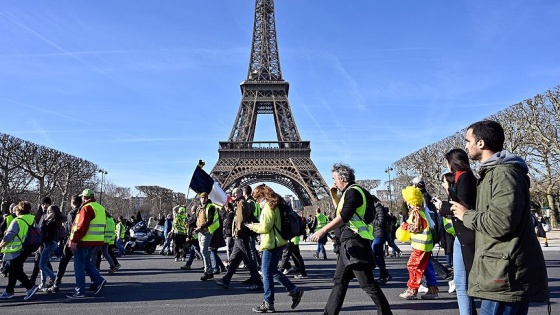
(287, 161)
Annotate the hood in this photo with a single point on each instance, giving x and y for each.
(506, 157)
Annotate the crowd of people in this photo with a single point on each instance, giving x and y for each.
(485, 226)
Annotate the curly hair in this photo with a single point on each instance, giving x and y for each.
(24, 207)
(413, 196)
(271, 197)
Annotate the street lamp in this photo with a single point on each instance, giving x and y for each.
(103, 173)
(388, 171)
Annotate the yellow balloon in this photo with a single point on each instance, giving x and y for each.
(402, 235)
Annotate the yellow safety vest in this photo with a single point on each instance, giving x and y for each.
(179, 221)
(216, 221)
(120, 230)
(295, 240)
(448, 226)
(9, 220)
(321, 220)
(357, 223)
(17, 243)
(257, 207)
(96, 229)
(110, 231)
(422, 240)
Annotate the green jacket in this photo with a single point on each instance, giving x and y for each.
(270, 237)
(508, 262)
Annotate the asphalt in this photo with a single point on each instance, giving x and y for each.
(154, 284)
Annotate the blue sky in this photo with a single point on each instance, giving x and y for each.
(145, 88)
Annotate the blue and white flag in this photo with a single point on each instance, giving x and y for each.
(202, 182)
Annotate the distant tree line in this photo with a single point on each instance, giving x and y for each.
(29, 171)
(532, 132)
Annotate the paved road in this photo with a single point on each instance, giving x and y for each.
(153, 284)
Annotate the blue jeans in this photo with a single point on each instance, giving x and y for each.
(379, 254)
(430, 274)
(270, 259)
(466, 303)
(120, 246)
(83, 264)
(488, 307)
(204, 239)
(48, 249)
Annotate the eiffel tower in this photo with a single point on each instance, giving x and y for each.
(286, 161)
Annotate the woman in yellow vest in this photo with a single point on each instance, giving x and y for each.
(14, 252)
(421, 240)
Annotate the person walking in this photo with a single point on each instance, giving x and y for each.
(320, 221)
(241, 248)
(463, 188)
(272, 245)
(381, 235)
(207, 222)
(51, 227)
(15, 253)
(509, 269)
(167, 233)
(88, 234)
(354, 232)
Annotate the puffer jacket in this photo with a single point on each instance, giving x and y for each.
(508, 263)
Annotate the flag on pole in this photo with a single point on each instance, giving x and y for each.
(202, 182)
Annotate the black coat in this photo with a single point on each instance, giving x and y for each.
(465, 188)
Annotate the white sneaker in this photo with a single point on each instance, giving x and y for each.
(422, 289)
(451, 286)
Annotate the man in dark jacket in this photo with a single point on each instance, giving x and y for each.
(380, 232)
(356, 258)
(241, 249)
(508, 270)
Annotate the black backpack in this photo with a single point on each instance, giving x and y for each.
(291, 223)
(33, 238)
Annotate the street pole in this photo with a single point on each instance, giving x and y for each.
(103, 173)
(388, 171)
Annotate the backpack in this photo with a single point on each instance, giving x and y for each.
(33, 238)
(291, 224)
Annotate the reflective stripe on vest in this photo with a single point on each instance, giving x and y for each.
(17, 243)
(357, 223)
(96, 229)
(422, 240)
(110, 231)
(448, 226)
(216, 221)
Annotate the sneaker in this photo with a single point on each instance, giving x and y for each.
(92, 288)
(206, 276)
(100, 287)
(384, 280)
(5, 295)
(399, 254)
(53, 289)
(117, 267)
(31, 292)
(301, 277)
(186, 267)
(451, 286)
(264, 308)
(546, 244)
(75, 296)
(296, 297)
(286, 271)
(430, 296)
(176, 259)
(432, 293)
(422, 289)
(409, 294)
(112, 270)
(254, 287)
(221, 283)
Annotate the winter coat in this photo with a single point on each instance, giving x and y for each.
(465, 188)
(508, 263)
